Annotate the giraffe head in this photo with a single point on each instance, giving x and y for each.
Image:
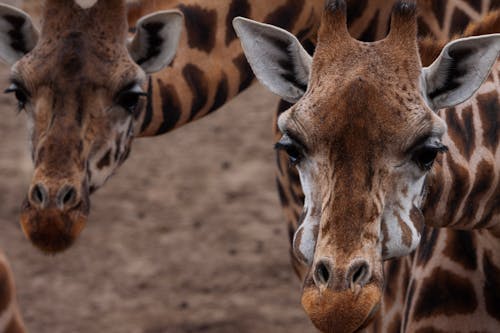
(363, 134)
(80, 83)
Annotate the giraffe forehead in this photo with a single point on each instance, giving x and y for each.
(359, 111)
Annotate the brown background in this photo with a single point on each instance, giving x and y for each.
(187, 237)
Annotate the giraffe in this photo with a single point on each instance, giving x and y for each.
(10, 319)
(126, 87)
(369, 21)
(364, 135)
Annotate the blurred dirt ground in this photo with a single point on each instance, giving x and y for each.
(187, 237)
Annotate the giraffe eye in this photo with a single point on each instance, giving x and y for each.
(425, 156)
(129, 98)
(294, 151)
(20, 93)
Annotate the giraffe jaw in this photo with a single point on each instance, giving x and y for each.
(341, 311)
(51, 230)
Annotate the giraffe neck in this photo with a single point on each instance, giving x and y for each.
(10, 320)
(210, 67)
(464, 188)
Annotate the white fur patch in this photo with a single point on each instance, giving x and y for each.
(307, 245)
(86, 3)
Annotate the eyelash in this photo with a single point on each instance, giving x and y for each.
(129, 98)
(21, 94)
(294, 150)
(425, 155)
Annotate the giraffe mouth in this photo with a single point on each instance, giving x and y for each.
(342, 311)
(51, 230)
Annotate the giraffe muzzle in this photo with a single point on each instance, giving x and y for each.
(53, 217)
(338, 299)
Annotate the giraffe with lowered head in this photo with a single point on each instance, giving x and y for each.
(364, 135)
(87, 90)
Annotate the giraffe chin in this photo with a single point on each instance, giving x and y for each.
(51, 230)
(344, 311)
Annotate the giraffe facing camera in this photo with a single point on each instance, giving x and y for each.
(364, 134)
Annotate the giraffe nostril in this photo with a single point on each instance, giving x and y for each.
(66, 197)
(359, 274)
(322, 273)
(38, 195)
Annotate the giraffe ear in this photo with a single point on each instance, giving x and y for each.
(156, 41)
(459, 71)
(18, 36)
(276, 57)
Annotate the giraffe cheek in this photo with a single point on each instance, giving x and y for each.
(304, 243)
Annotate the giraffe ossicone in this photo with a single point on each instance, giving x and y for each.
(363, 134)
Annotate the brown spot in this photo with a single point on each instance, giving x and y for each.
(307, 32)
(423, 28)
(198, 84)
(491, 286)
(236, 8)
(461, 248)
(405, 232)
(427, 245)
(105, 161)
(439, 9)
(435, 187)
(461, 184)
(281, 193)
(286, 15)
(221, 94)
(246, 73)
(392, 269)
(484, 174)
(445, 293)
(417, 218)
(459, 22)
(148, 115)
(462, 132)
(370, 33)
(355, 9)
(171, 107)
(201, 26)
(490, 118)
(495, 4)
(475, 4)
